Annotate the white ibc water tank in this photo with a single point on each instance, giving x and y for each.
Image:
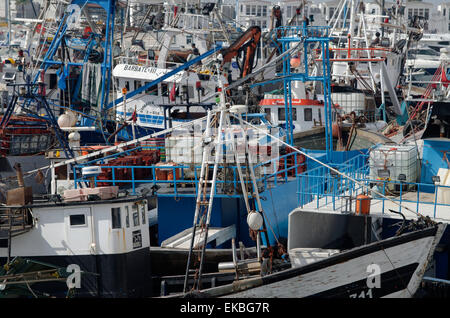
(184, 149)
(397, 159)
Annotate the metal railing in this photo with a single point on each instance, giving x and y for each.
(299, 31)
(183, 179)
(318, 188)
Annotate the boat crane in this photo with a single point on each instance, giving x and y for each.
(246, 43)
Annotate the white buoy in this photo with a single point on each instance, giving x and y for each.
(68, 119)
(64, 121)
(74, 136)
(73, 118)
(254, 220)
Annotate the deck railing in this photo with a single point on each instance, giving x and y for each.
(318, 188)
(184, 178)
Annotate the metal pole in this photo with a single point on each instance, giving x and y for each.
(197, 207)
(213, 182)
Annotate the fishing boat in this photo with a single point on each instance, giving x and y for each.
(392, 267)
(94, 233)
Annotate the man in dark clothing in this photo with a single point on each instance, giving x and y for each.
(377, 40)
(195, 51)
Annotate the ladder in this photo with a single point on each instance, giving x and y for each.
(202, 203)
(202, 214)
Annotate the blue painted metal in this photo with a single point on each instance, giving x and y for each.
(433, 158)
(109, 6)
(307, 35)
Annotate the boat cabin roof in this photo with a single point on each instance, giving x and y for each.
(55, 202)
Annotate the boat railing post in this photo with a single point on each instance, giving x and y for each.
(418, 196)
(318, 192)
(113, 176)
(436, 189)
(154, 174)
(258, 246)
(174, 173)
(334, 193)
(132, 180)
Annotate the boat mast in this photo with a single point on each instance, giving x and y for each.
(8, 13)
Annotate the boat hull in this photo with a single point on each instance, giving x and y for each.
(402, 261)
(113, 275)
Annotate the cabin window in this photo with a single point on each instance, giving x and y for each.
(115, 217)
(151, 90)
(127, 216)
(188, 91)
(135, 215)
(264, 11)
(143, 213)
(164, 90)
(137, 84)
(127, 85)
(281, 113)
(320, 116)
(77, 219)
(53, 81)
(307, 114)
(247, 9)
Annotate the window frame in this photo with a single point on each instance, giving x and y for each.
(127, 216)
(135, 215)
(78, 225)
(118, 217)
(310, 116)
(143, 214)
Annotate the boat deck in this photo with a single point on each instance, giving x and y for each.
(420, 202)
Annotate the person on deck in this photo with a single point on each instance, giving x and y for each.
(377, 40)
